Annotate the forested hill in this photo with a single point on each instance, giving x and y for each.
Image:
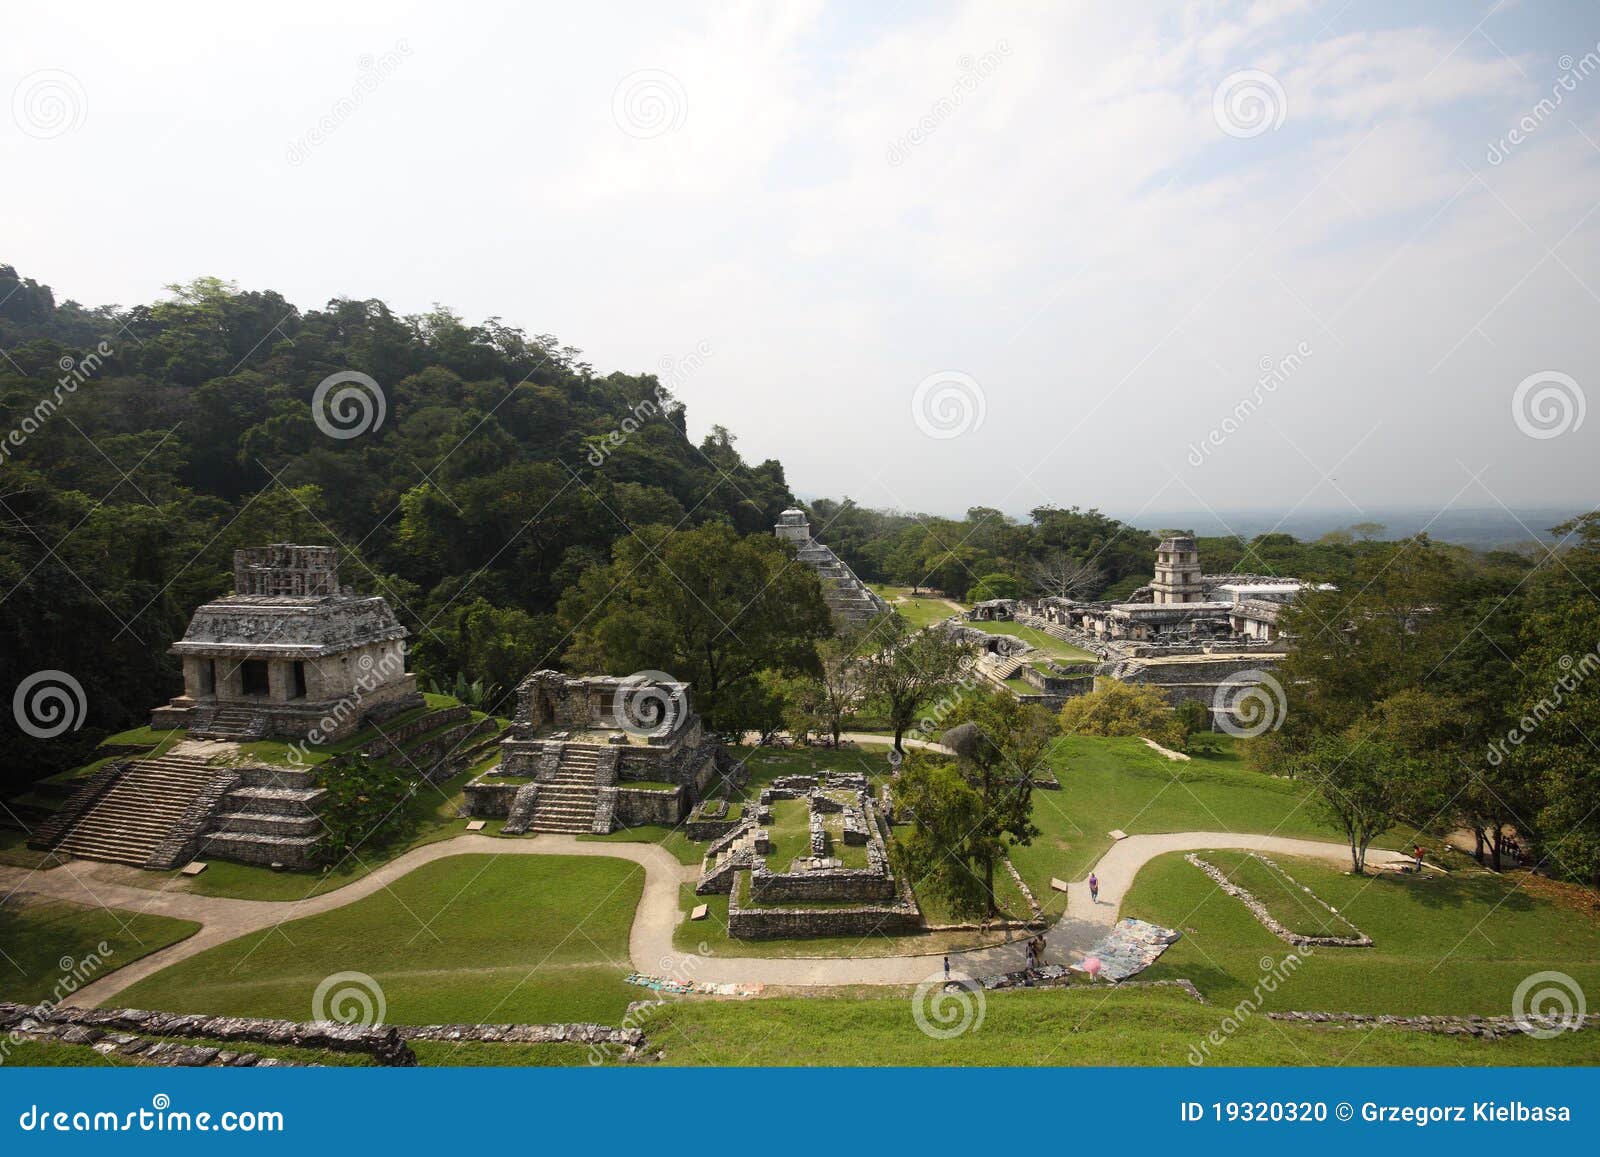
(139, 446)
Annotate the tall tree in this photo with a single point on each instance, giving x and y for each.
(913, 668)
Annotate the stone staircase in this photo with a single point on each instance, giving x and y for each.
(1003, 668)
(136, 815)
(567, 802)
(269, 818)
(227, 722)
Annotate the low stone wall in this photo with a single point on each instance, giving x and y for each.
(711, 819)
(386, 1043)
(1268, 921)
(749, 923)
(637, 806)
(830, 884)
(1486, 1027)
(488, 799)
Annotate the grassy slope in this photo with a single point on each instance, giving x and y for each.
(1049, 644)
(35, 941)
(469, 938)
(1076, 1026)
(1121, 784)
(1442, 944)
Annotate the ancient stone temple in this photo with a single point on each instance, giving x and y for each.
(290, 653)
(588, 754)
(1177, 577)
(852, 602)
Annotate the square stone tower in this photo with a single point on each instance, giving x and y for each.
(1177, 578)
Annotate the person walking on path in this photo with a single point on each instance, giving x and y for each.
(1417, 850)
(947, 970)
(1094, 888)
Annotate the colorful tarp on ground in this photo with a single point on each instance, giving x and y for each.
(1128, 949)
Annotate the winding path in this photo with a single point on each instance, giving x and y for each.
(650, 941)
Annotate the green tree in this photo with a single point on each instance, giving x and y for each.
(912, 669)
(704, 605)
(1366, 787)
(1117, 708)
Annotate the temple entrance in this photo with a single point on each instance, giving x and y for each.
(297, 680)
(253, 677)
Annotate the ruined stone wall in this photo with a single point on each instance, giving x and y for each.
(637, 806)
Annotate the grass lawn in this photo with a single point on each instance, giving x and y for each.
(672, 839)
(1284, 894)
(472, 938)
(1121, 784)
(1049, 644)
(14, 851)
(1075, 1026)
(1441, 944)
(46, 945)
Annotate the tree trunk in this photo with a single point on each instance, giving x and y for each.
(1497, 842)
(988, 886)
(1477, 839)
(899, 733)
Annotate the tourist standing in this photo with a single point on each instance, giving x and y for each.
(1094, 888)
(947, 970)
(1417, 849)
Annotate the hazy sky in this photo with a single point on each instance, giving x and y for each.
(1065, 239)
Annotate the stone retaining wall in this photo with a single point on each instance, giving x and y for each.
(1268, 921)
(637, 806)
(1487, 1027)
